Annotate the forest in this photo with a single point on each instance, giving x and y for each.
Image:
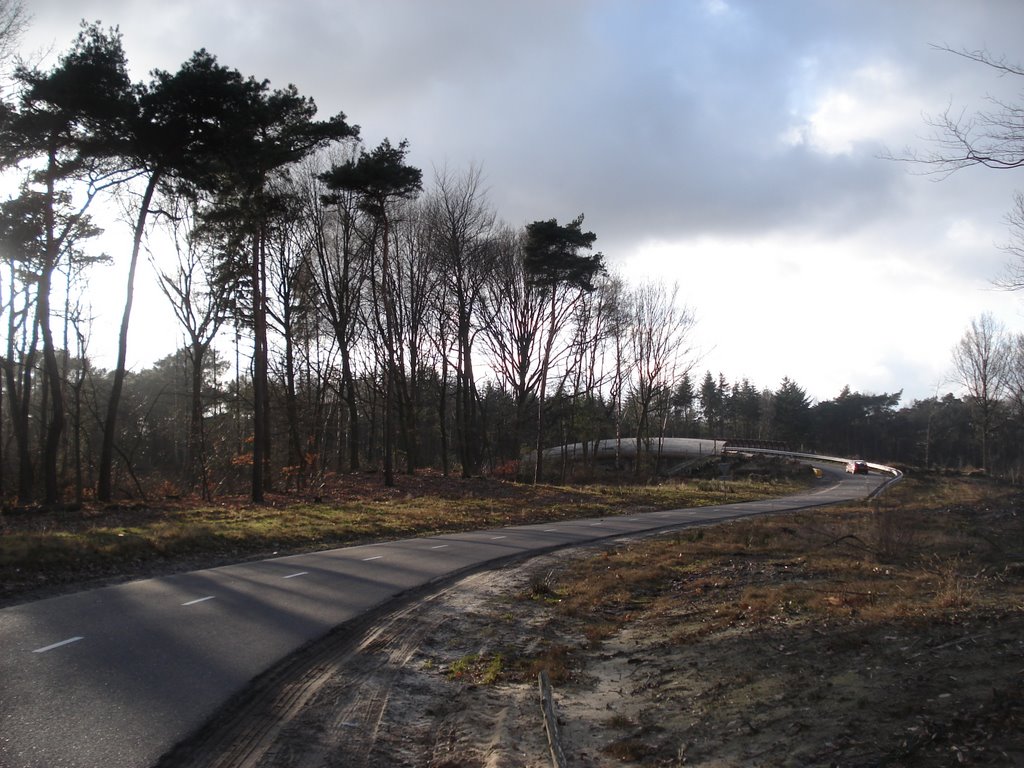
(344, 314)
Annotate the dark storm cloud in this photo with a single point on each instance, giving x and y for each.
(659, 119)
(750, 129)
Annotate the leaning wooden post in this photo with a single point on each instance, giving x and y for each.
(547, 703)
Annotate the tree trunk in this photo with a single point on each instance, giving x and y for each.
(104, 489)
(18, 401)
(468, 422)
(389, 363)
(352, 404)
(542, 391)
(298, 458)
(55, 426)
(259, 372)
(77, 427)
(442, 414)
(198, 471)
(411, 410)
(3, 475)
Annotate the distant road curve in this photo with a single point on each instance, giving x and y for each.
(696, 448)
(117, 676)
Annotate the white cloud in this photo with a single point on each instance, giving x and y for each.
(716, 7)
(825, 312)
(966, 232)
(874, 104)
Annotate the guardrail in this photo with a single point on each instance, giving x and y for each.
(677, 447)
(895, 475)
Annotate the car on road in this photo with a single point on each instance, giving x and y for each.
(857, 467)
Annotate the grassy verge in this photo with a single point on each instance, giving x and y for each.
(926, 547)
(885, 633)
(40, 552)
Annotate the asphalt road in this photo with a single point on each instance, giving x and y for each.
(114, 677)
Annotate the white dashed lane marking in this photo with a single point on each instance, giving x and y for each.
(375, 557)
(439, 546)
(62, 643)
(199, 600)
(293, 575)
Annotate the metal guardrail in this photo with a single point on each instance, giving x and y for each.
(673, 447)
(895, 475)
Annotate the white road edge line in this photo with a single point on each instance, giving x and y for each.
(293, 575)
(199, 600)
(69, 641)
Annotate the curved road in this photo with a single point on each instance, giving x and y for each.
(117, 676)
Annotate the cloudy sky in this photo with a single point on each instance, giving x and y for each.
(732, 146)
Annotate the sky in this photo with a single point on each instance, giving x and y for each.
(735, 147)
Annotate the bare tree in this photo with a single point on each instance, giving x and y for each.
(339, 271)
(658, 345)
(513, 327)
(619, 330)
(199, 301)
(14, 20)
(1015, 374)
(594, 327)
(415, 285)
(1013, 275)
(381, 180)
(19, 359)
(289, 311)
(991, 137)
(462, 224)
(980, 364)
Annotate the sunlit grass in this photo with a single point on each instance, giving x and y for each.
(98, 542)
(929, 549)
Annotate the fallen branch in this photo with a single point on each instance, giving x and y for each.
(856, 539)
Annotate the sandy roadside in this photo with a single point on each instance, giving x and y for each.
(448, 681)
(885, 634)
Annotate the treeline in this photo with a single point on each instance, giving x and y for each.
(366, 306)
(341, 314)
(156, 444)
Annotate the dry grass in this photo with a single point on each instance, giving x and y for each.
(48, 550)
(926, 549)
(868, 634)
